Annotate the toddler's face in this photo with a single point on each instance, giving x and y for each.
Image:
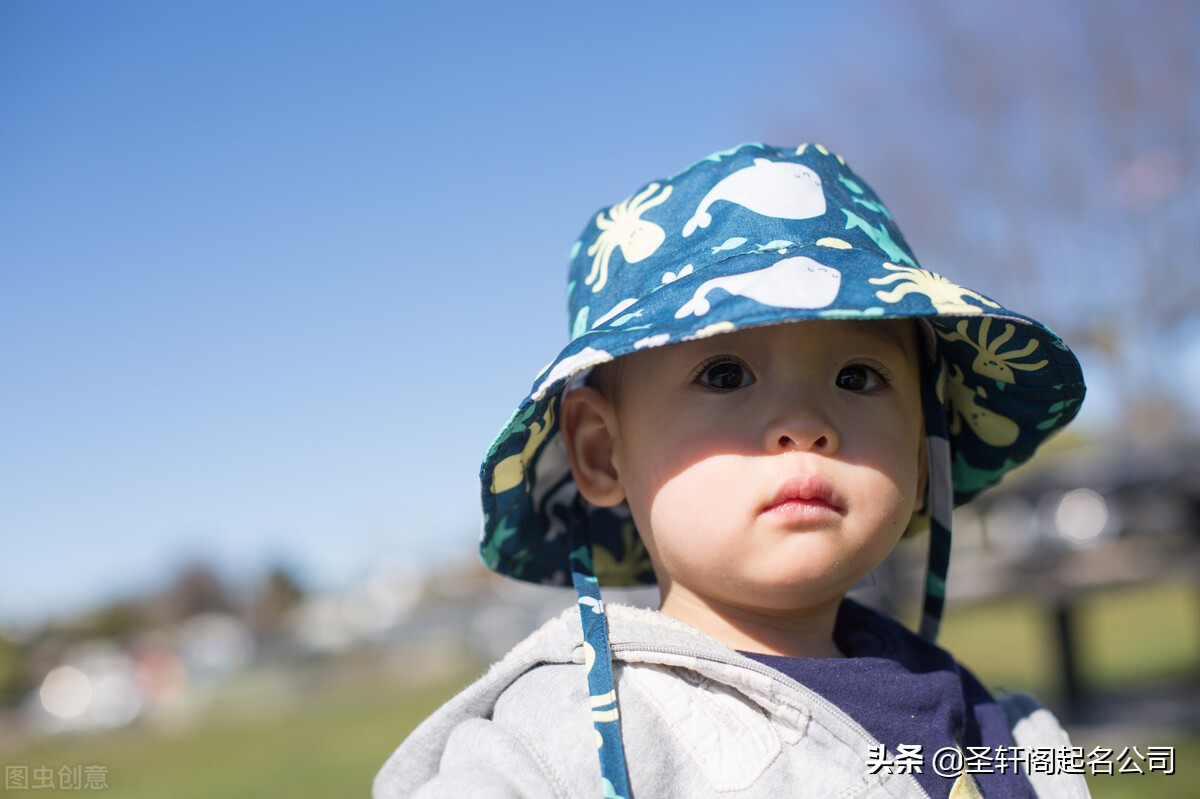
(770, 468)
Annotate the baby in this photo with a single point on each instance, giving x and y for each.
(763, 393)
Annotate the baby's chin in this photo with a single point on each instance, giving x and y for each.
(779, 596)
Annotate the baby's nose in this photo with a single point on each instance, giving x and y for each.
(803, 428)
(787, 441)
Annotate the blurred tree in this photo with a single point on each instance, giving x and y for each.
(114, 620)
(278, 593)
(1084, 137)
(118, 618)
(14, 680)
(196, 588)
(1048, 155)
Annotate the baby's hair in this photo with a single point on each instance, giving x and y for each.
(606, 378)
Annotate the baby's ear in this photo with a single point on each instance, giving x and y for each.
(588, 426)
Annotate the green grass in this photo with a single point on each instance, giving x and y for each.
(1141, 633)
(329, 745)
(330, 738)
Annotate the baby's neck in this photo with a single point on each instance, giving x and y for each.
(806, 633)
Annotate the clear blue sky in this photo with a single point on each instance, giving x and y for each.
(272, 274)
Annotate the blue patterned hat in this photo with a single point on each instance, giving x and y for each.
(752, 236)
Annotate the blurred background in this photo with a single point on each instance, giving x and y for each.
(273, 274)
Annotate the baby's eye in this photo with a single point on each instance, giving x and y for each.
(860, 378)
(725, 375)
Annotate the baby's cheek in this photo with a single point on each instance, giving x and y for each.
(898, 510)
(694, 502)
(898, 457)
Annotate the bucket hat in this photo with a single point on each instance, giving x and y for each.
(752, 236)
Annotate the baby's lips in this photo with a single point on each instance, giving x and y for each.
(806, 488)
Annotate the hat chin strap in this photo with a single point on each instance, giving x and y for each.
(941, 501)
(606, 717)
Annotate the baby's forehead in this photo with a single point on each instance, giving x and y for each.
(902, 334)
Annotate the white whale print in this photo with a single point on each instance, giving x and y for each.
(797, 282)
(779, 189)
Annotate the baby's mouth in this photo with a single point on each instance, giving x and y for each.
(805, 495)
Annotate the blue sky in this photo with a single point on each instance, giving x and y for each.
(275, 273)
(272, 274)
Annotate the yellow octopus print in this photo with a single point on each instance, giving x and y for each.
(946, 297)
(991, 428)
(989, 361)
(622, 226)
(510, 472)
(629, 569)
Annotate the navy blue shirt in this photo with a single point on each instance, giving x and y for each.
(905, 690)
